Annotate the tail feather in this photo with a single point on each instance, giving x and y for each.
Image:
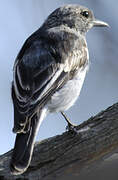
(24, 147)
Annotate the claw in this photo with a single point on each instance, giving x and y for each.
(71, 128)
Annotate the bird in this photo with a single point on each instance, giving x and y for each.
(48, 75)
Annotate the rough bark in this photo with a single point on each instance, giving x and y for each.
(69, 156)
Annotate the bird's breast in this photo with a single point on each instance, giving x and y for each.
(65, 97)
(77, 58)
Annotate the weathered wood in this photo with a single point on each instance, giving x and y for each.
(68, 156)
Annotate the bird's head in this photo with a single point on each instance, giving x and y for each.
(73, 16)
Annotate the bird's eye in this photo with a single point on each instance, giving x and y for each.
(85, 14)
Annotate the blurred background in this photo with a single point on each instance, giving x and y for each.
(18, 20)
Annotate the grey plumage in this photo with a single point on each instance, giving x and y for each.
(48, 75)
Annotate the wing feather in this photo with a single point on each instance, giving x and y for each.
(37, 75)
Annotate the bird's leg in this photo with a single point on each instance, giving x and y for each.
(70, 127)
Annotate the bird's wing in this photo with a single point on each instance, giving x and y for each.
(37, 75)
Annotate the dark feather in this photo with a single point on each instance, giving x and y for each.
(35, 66)
(23, 148)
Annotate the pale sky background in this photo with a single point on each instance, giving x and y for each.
(20, 18)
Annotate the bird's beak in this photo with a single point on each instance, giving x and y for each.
(99, 23)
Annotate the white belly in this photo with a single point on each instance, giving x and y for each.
(66, 96)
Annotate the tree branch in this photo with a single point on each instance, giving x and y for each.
(68, 156)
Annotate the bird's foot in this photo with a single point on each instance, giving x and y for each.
(72, 128)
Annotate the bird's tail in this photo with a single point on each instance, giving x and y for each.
(23, 148)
